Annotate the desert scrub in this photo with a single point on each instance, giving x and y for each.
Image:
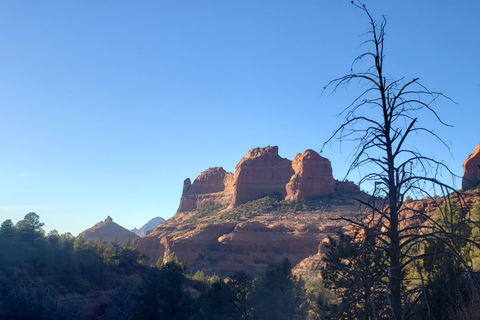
(207, 211)
(274, 203)
(253, 208)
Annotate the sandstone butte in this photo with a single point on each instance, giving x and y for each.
(109, 231)
(471, 170)
(217, 242)
(260, 172)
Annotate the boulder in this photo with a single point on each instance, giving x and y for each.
(312, 177)
(471, 170)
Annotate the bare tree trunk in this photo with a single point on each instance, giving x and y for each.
(400, 170)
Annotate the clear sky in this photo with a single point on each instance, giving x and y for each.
(107, 106)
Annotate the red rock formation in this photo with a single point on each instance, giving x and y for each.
(212, 186)
(313, 176)
(260, 172)
(471, 170)
(109, 231)
(227, 247)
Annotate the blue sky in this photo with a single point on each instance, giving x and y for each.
(107, 106)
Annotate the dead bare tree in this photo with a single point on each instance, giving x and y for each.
(382, 120)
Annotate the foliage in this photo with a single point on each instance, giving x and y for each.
(36, 268)
(355, 269)
(242, 286)
(321, 302)
(216, 303)
(206, 212)
(278, 295)
(162, 294)
(275, 203)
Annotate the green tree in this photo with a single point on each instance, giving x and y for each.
(445, 271)
(321, 301)
(128, 257)
(355, 269)
(242, 285)
(278, 295)
(30, 227)
(216, 303)
(162, 295)
(7, 229)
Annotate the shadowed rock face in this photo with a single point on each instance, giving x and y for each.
(109, 231)
(259, 173)
(471, 170)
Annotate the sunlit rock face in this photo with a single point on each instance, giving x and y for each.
(259, 173)
(212, 186)
(471, 170)
(215, 242)
(312, 177)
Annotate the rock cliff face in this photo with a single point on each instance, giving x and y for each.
(212, 186)
(471, 170)
(223, 242)
(109, 231)
(229, 246)
(313, 176)
(260, 172)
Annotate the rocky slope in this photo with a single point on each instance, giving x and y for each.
(222, 226)
(253, 235)
(109, 231)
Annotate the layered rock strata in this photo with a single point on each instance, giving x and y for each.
(313, 176)
(260, 172)
(212, 186)
(226, 247)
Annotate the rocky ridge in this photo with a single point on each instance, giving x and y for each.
(215, 230)
(269, 209)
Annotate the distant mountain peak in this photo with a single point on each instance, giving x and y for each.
(150, 225)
